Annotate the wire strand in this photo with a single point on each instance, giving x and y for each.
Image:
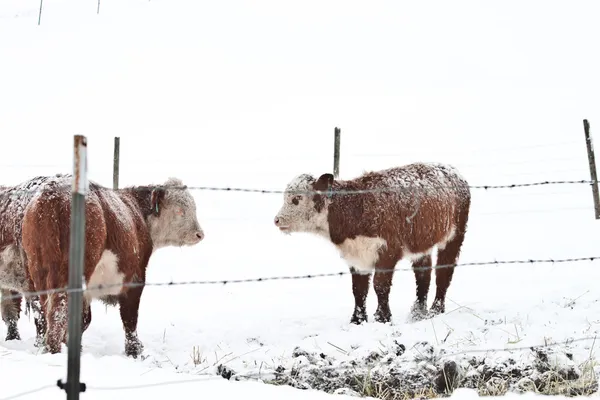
(206, 377)
(291, 277)
(402, 188)
(21, 394)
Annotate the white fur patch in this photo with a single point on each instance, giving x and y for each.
(451, 233)
(12, 274)
(361, 252)
(410, 256)
(106, 273)
(439, 246)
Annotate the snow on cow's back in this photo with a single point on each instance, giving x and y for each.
(14, 200)
(436, 179)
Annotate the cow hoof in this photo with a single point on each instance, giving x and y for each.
(134, 348)
(12, 335)
(39, 342)
(418, 312)
(383, 317)
(358, 319)
(53, 349)
(435, 310)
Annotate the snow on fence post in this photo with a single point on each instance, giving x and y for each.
(336, 152)
(76, 259)
(592, 162)
(116, 158)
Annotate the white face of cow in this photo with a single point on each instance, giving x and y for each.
(173, 221)
(304, 211)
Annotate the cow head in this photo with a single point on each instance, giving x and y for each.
(173, 220)
(305, 205)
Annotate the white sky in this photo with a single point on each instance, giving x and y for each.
(208, 82)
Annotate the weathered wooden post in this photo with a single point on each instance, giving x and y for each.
(592, 162)
(76, 259)
(336, 152)
(116, 163)
(40, 13)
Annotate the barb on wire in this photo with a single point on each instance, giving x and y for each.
(294, 277)
(390, 189)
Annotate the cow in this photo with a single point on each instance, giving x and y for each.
(383, 217)
(123, 229)
(14, 278)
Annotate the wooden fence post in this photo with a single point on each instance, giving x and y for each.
(40, 13)
(76, 259)
(116, 163)
(336, 152)
(592, 162)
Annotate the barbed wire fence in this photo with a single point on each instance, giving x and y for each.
(77, 287)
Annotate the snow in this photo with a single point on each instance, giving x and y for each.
(238, 94)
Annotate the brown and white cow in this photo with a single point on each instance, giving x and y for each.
(14, 278)
(397, 213)
(123, 228)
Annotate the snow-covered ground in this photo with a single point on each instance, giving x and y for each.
(247, 94)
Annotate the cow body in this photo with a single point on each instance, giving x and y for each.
(402, 213)
(123, 228)
(14, 277)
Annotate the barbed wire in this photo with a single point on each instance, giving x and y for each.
(293, 277)
(409, 187)
(205, 378)
(32, 391)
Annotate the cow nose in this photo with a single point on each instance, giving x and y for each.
(200, 235)
(276, 221)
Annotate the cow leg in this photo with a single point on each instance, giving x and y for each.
(382, 283)
(57, 314)
(129, 304)
(40, 308)
(443, 276)
(418, 310)
(360, 289)
(11, 310)
(87, 316)
(39, 320)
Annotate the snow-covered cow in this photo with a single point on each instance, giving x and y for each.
(385, 216)
(123, 228)
(14, 278)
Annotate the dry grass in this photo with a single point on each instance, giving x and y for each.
(549, 379)
(552, 382)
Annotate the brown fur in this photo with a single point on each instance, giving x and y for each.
(379, 228)
(14, 279)
(123, 229)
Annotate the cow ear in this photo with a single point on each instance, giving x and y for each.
(324, 182)
(156, 200)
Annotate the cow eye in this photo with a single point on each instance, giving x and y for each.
(296, 200)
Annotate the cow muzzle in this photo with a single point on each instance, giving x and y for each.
(197, 238)
(281, 225)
